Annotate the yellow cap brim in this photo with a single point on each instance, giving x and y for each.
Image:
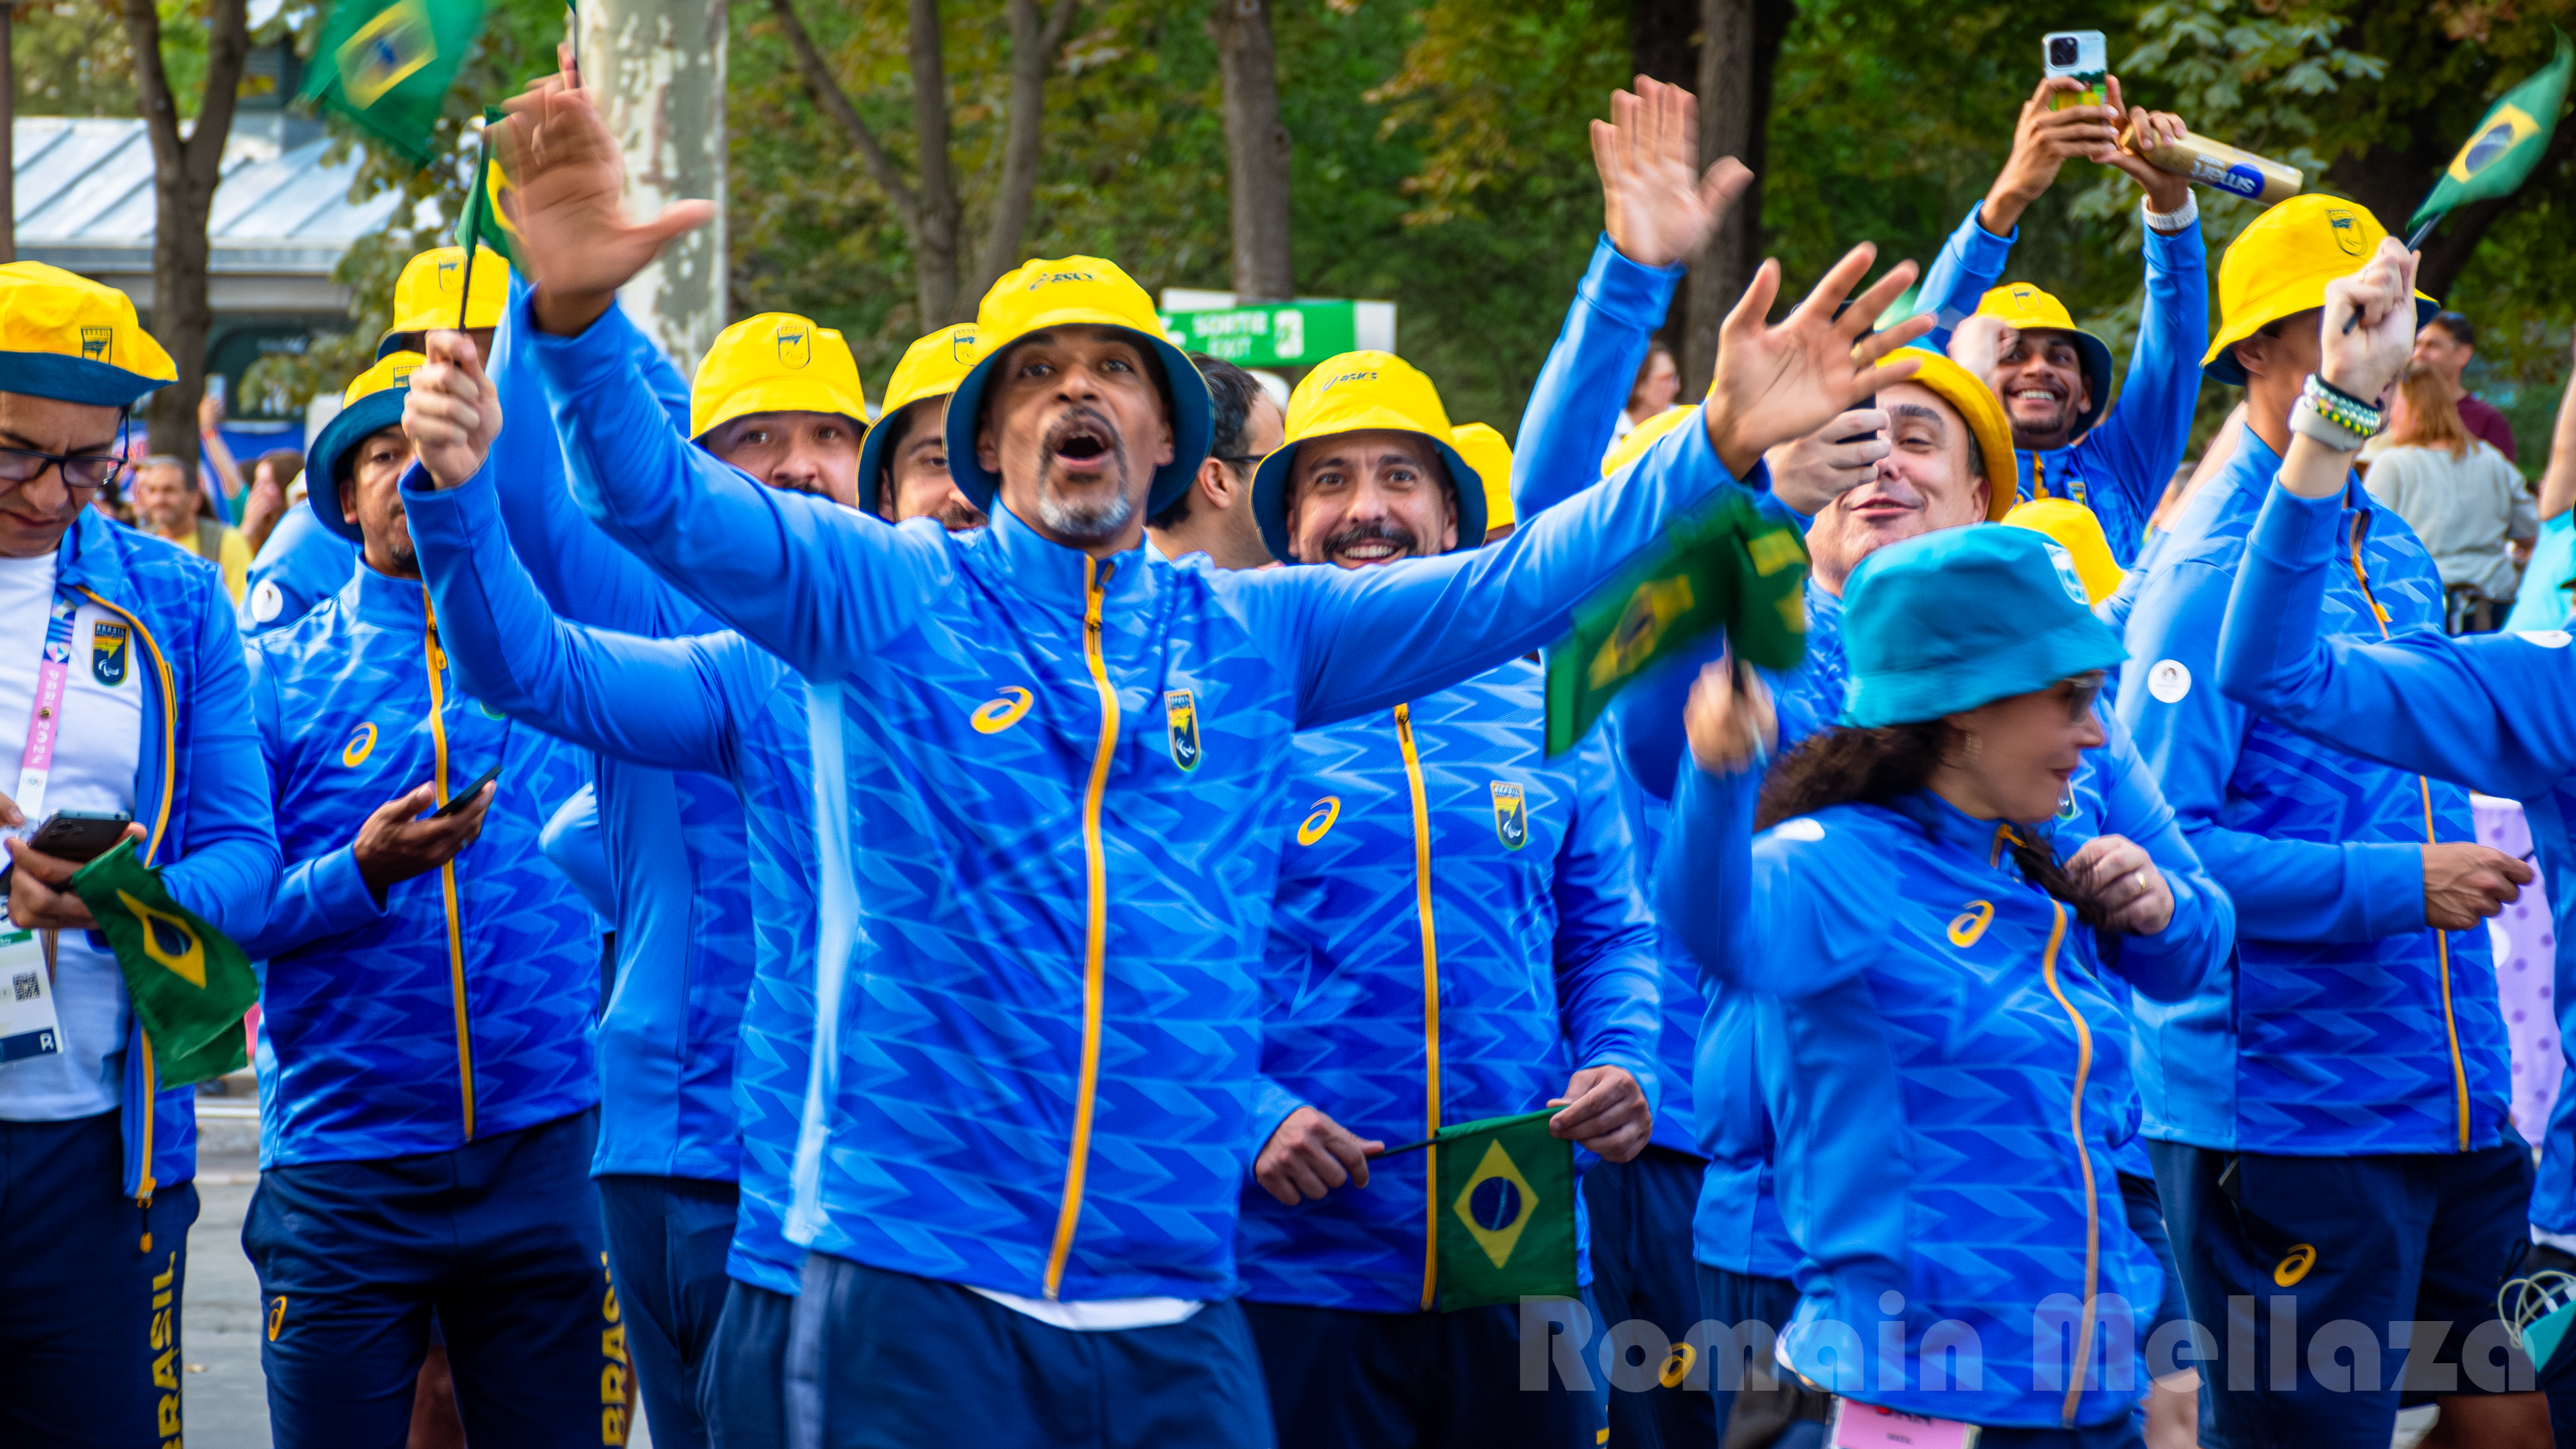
(780, 395)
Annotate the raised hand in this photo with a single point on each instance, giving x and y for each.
(1778, 383)
(1980, 344)
(1729, 719)
(2367, 360)
(1657, 205)
(564, 197)
(2148, 130)
(1810, 472)
(2044, 140)
(453, 411)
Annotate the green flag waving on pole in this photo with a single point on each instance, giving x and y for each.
(483, 221)
(1503, 1211)
(190, 984)
(387, 64)
(2500, 153)
(1724, 564)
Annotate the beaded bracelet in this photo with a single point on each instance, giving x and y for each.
(2333, 402)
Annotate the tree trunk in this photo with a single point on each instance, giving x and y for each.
(1033, 48)
(1257, 151)
(1663, 40)
(935, 249)
(184, 174)
(657, 68)
(1739, 45)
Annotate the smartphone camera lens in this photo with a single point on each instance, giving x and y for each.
(2061, 50)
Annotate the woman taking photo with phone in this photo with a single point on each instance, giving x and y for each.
(1941, 1042)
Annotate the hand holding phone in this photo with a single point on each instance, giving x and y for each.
(2081, 54)
(80, 835)
(457, 802)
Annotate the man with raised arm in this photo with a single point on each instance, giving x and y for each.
(1030, 1145)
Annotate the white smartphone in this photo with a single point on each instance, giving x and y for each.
(2081, 54)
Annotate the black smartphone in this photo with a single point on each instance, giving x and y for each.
(465, 797)
(80, 834)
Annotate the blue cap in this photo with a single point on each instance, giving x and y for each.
(1963, 617)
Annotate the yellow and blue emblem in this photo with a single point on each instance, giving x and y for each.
(107, 654)
(386, 51)
(1511, 814)
(1495, 1204)
(1181, 724)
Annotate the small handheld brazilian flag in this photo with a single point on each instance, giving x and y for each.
(1503, 1211)
(190, 984)
(483, 222)
(387, 64)
(1723, 565)
(2500, 153)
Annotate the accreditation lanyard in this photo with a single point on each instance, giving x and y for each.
(30, 1028)
(45, 719)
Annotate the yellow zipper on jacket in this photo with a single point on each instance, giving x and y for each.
(1430, 998)
(2083, 1158)
(1095, 931)
(2038, 476)
(143, 1183)
(437, 660)
(2441, 940)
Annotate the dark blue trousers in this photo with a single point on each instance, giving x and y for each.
(883, 1360)
(501, 1238)
(667, 1238)
(742, 1392)
(1738, 1301)
(1641, 1269)
(1419, 1381)
(89, 1291)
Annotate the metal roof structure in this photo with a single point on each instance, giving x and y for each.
(281, 218)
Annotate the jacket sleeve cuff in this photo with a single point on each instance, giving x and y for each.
(1271, 1104)
(1625, 291)
(2391, 881)
(2170, 251)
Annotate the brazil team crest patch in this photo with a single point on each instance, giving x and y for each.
(107, 654)
(1181, 722)
(1511, 815)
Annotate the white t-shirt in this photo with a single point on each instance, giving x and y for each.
(94, 762)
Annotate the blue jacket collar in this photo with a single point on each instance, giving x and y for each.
(1054, 574)
(1947, 823)
(2249, 474)
(387, 603)
(87, 556)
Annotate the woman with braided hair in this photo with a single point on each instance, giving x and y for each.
(1940, 998)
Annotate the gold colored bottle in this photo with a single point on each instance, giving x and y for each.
(2222, 167)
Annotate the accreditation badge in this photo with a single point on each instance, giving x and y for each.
(28, 1027)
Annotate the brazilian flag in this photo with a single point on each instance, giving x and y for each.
(484, 222)
(1724, 565)
(387, 64)
(190, 984)
(1502, 1194)
(2507, 144)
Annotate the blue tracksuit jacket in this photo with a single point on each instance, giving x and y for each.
(1046, 1084)
(679, 872)
(1572, 415)
(2483, 710)
(2120, 467)
(1438, 962)
(459, 1005)
(301, 564)
(709, 706)
(197, 783)
(2346, 1026)
(1948, 1063)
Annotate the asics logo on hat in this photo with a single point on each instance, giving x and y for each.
(1369, 376)
(795, 346)
(1052, 277)
(97, 342)
(2347, 231)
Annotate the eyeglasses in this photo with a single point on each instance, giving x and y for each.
(2081, 693)
(87, 472)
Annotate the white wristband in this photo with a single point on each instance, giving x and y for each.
(2308, 422)
(2182, 218)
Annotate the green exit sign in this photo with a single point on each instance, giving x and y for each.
(1277, 334)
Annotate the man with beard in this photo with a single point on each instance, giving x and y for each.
(903, 465)
(1460, 933)
(1026, 1155)
(2055, 379)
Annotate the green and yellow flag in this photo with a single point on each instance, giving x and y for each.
(2507, 144)
(190, 984)
(1724, 565)
(1502, 1191)
(387, 64)
(483, 221)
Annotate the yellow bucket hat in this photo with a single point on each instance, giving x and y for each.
(372, 403)
(931, 367)
(2027, 307)
(1076, 292)
(425, 296)
(1491, 458)
(2280, 265)
(775, 362)
(1641, 437)
(1984, 412)
(66, 337)
(2079, 533)
(1364, 392)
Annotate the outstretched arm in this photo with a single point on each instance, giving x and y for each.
(1607, 980)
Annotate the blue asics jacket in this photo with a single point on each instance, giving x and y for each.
(2346, 1025)
(2483, 710)
(301, 564)
(2120, 467)
(458, 1005)
(1461, 924)
(710, 706)
(1948, 1064)
(197, 783)
(679, 873)
(1048, 1086)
